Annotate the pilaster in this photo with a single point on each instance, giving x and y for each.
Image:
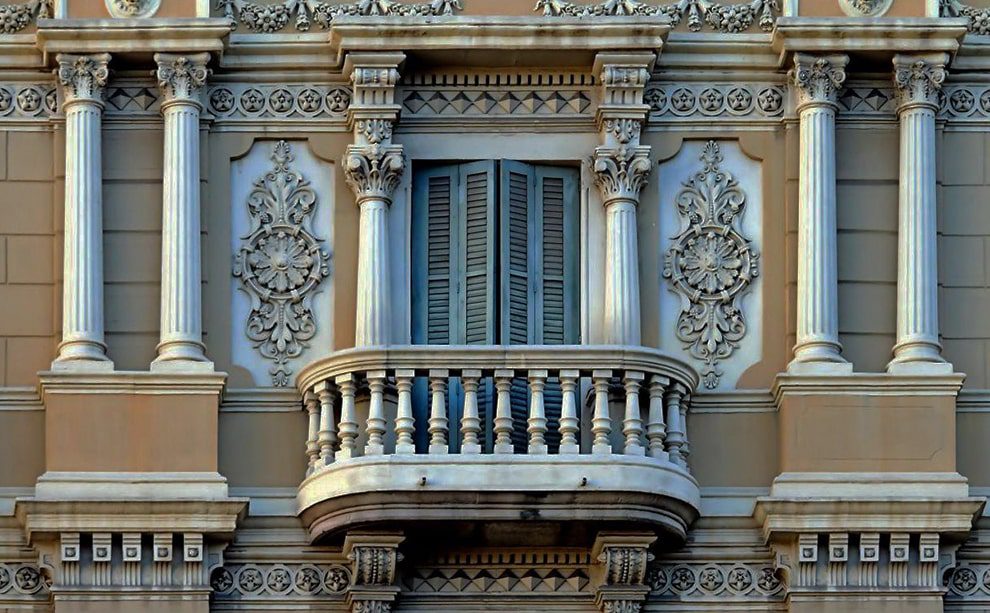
(373, 166)
(374, 557)
(181, 79)
(817, 79)
(82, 79)
(621, 167)
(623, 559)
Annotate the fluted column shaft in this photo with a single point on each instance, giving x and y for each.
(818, 79)
(181, 79)
(82, 79)
(622, 315)
(373, 303)
(918, 80)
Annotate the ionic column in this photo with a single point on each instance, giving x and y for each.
(181, 79)
(622, 167)
(817, 80)
(82, 79)
(373, 166)
(918, 79)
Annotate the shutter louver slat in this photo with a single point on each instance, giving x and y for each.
(439, 203)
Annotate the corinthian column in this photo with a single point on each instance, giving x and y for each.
(622, 167)
(817, 80)
(918, 79)
(83, 78)
(181, 79)
(373, 166)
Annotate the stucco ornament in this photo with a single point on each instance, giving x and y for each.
(83, 77)
(373, 171)
(818, 80)
(132, 8)
(16, 17)
(979, 18)
(865, 8)
(920, 83)
(728, 18)
(275, 17)
(281, 264)
(181, 77)
(711, 265)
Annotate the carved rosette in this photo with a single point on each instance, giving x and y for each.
(281, 264)
(83, 77)
(181, 77)
(621, 172)
(818, 79)
(918, 82)
(373, 171)
(711, 265)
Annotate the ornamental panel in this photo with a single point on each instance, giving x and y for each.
(282, 298)
(710, 230)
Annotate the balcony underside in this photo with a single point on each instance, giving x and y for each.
(615, 491)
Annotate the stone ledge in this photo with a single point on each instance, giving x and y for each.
(132, 36)
(131, 382)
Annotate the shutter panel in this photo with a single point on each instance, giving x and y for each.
(434, 254)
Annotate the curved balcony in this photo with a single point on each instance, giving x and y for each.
(616, 456)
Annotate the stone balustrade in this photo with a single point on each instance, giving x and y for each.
(621, 425)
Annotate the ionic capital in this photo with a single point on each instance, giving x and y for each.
(181, 77)
(621, 172)
(373, 171)
(83, 77)
(818, 78)
(918, 79)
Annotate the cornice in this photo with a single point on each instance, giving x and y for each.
(132, 382)
(132, 36)
(866, 34)
(868, 384)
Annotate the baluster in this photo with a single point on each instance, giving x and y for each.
(656, 429)
(348, 418)
(601, 422)
(438, 411)
(632, 424)
(569, 427)
(503, 411)
(675, 435)
(470, 422)
(536, 425)
(327, 434)
(375, 426)
(313, 431)
(686, 443)
(405, 423)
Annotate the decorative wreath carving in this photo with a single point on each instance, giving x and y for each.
(711, 264)
(281, 264)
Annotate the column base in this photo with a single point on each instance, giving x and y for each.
(819, 368)
(181, 356)
(819, 358)
(82, 356)
(918, 358)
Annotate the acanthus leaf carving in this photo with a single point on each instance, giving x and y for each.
(275, 17)
(181, 77)
(728, 18)
(373, 171)
(920, 82)
(83, 77)
(281, 264)
(621, 172)
(711, 265)
(818, 78)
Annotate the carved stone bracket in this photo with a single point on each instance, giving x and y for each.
(918, 80)
(624, 560)
(83, 77)
(818, 78)
(374, 557)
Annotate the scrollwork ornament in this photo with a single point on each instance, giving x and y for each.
(281, 264)
(710, 265)
(726, 18)
(919, 82)
(373, 171)
(621, 172)
(375, 131)
(621, 606)
(83, 77)
(818, 79)
(181, 77)
(979, 18)
(268, 18)
(624, 130)
(371, 606)
(16, 17)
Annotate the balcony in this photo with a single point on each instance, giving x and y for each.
(616, 458)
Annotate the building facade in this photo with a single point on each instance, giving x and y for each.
(463, 305)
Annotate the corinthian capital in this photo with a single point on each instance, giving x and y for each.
(818, 78)
(83, 77)
(373, 171)
(181, 77)
(621, 172)
(918, 79)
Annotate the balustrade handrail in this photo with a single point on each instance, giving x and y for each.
(659, 432)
